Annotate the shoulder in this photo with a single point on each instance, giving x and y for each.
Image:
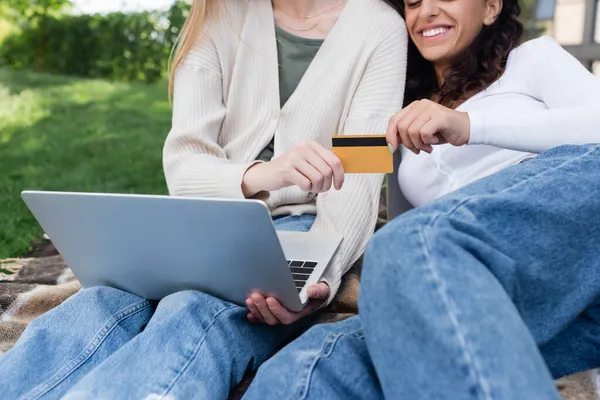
(536, 48)
(380, 10)
(380, 17)
(541, 57)
(233, 8)
(541, 67)
(219, 33)
(530, 61)
(227, 17)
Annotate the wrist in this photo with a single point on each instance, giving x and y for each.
(460, 128)
(476, 129)
(467, 127)
(252, 180)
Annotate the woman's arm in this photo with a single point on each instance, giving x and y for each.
(194, 162)
(571, 94)
(353, 210)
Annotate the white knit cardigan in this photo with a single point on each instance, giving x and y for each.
(226, 109)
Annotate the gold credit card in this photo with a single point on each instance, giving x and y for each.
(363, 154)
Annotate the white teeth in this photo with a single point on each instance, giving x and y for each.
(434, 32)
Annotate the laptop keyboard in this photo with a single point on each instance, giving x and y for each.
(301, 270)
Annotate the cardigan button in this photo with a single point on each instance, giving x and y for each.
(275, 114)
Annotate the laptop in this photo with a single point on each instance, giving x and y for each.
(152, 245)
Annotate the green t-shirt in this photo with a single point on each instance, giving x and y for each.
(294, 55)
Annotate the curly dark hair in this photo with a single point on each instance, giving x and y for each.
(475, 69)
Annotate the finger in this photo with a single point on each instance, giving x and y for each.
(332, 161)
(404, 124)
(301, 181)
(280, 312)
(310, 307)
(441, 138)
(427, 148)
(318, 291)
(430, 139)
(313, 175)
(254, 311)
(430, 135)
(315, 159)
(407, 141)
(414, 131)
(261, 303)
(252, 318)
(392, 134)
(415, 137)
(429, 131)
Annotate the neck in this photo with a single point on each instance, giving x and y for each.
(439, 73)
(303, 7)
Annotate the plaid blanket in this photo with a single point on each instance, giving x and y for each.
(32, 286)
(28, 288)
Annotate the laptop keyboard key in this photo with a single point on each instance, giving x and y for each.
(296, 263)
(300, 270)
(310, 264)
(300, 277)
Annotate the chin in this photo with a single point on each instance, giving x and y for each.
(437, 53)
(435, 57)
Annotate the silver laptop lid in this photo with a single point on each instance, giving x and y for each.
(156, 245)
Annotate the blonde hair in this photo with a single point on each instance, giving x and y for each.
(190, 32)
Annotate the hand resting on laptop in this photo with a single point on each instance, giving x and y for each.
(270, 311)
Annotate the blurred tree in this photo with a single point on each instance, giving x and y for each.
(34, 13)
(132, 46)
(177, 15)
(7, 23)
(33, 8)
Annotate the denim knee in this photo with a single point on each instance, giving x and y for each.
(391, 245)
(190, 304)
(98, 302)
(289, 373)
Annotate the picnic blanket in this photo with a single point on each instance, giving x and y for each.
(33, 285)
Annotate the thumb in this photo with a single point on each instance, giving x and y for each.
(319, 291)
(391, 133)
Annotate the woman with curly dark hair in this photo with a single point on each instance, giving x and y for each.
(490, 287)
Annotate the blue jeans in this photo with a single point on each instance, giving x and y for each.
(487, 293)
(108, 344)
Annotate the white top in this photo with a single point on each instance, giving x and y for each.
(226, 109)
(544, 99)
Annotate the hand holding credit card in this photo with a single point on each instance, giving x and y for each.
(363, 154)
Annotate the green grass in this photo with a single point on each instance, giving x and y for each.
(60, 133)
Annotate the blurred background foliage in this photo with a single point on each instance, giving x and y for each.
(44, 36)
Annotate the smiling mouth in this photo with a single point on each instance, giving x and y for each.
(435, 32)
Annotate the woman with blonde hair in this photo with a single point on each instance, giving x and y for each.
(259, 89)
